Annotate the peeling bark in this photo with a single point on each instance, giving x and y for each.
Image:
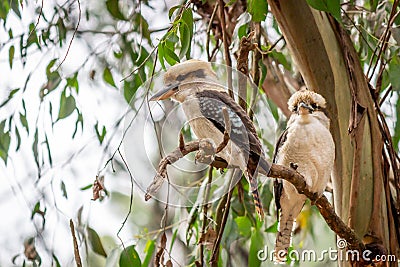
(325, 56)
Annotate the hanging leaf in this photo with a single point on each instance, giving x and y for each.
(244, 226)
(129, 257)
(256, 243)
(170, 56)
(63, 190)
(172, 10)
(18, 138)
(67, 105)
(24, 122)
(396, 136)
(258, 9)
(149, 250)
(73, 82)
(10, 96)
(142, 26)
(394, 77)
(130, 88)
(5, 140)
(161, 54)
(79, 120)
(48, 150)
(101, 135)
(187, 32)
(32, 38)
(95, 242)
(35, 148)
(185, 39)
(4, 8)
(11, 53)
(86, 187)
(273, 228)
(108, 78)
(56, 261)
(113, 9)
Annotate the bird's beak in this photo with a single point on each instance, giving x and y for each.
(165, 93)
(305, 106)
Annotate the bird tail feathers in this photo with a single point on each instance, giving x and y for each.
(256, 198)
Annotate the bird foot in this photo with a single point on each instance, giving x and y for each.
(206, 153)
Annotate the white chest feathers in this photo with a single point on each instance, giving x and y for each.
(309, 144)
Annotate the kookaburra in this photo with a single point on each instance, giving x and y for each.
(194, 84)
(306, 144)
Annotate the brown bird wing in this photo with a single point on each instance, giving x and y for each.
(243, 132)
(278, 186)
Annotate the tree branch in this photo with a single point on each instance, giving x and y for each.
(276, 171)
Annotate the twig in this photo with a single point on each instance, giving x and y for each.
(227, 56)
(205, 210)
(276, 171)
(322, 203)
(256, 69)
(38, 20)
(73, 34)
(224, 206)
(390, 89)
(246, 45)
(208, 32)
(384, 39)
(76, 249)
(130, 200)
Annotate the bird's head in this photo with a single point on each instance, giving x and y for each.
(182, 78)
(305, 102)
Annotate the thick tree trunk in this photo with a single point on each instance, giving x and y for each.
(329, 65)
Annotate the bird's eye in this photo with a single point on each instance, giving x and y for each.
(314, 106)
(294, 108)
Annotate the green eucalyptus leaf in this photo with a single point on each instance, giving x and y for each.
(244, 225)
(11, 53)
(101, 135)
(18, 138)
(394, 75)
(5, 140)
(161, 54)
(185, 39)
(67, 105)
(24, 122)
(95, 242)
(113, 9)
(256, 244)
(396, 136)
(64, 190)
(172, 10)
(149, 250)
(35, 147)
(129, 257)
(170, 56)
(10, 96)
(258, 9)
(108, 78)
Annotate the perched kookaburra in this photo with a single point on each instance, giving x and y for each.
(308, 144)
(194, 84)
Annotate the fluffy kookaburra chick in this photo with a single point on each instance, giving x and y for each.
(194, 84)
(308, 144)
